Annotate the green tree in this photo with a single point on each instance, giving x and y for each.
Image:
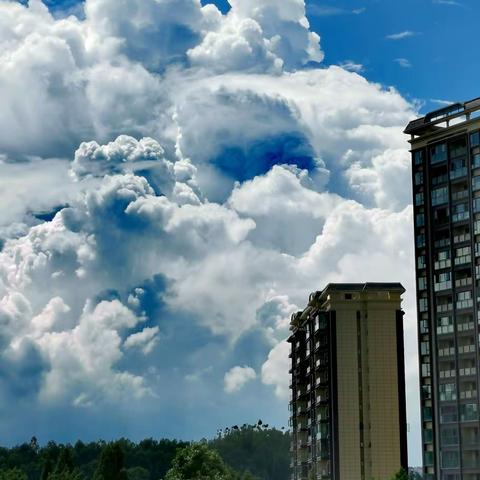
(65, 462)
(110, 466)
(138, 473)
(13, 474)
(258, 449)
(66, 475)
(47, 469)
(199, 462)
(401, 475)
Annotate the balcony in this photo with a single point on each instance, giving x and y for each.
(464, 237)
(466, 349)
(468, 394)
(459, 195)
(465, 327)
(446, 352)
(443, 242)
(321, 380)
(322, 398)
(443, 286)
(439, 179)
(320, 344)
(440, 264)
(444, 307)
(460, 216)
(463, 259)
(302, 427)
(463, 282)
(458, 173)
(463, 304)
(447, 374)
(321, 363)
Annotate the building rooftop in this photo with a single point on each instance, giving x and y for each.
(444, 117)
(320, 296)
(362, 287)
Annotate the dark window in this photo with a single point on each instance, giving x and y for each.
(475, 139)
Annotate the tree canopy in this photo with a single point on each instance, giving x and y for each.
(249, 452)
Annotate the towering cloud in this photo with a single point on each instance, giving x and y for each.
(174, 182)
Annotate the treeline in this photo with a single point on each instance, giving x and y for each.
(249, 452)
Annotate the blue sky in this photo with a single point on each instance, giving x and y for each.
(176, 180)
(438, 46)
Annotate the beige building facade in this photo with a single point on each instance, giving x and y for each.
(348, 413)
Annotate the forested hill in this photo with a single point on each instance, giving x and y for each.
(261, 451)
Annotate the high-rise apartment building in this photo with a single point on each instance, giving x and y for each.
(446, 195)
(348, 414)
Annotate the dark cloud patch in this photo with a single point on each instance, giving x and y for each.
(246, 162)
(48, 216)
(251, 349)
(22, 370)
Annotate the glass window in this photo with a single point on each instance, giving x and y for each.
(425, 369)
(458, 168)
(458, 148)
(462, 255)
(426, 391)
(439, 196)
(427, 414)
(474, 139)
(423, 305)
(448, 414)
(448, 392)
(449, 436)
(425, 348)
(420, 240)
(422, 283)
(419, 199)
(442, 259)
(421, 262)
(476, 183)
(444, 325)
(418, 157)
(420, 218)
(419, 178)
(424, 326)
(450, 459)
(476, 205)
(468, 412)
(476, 160)
(438, 153)
(460, 212)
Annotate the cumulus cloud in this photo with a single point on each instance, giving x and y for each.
(174, 183)
(275, 370)
(236, 378)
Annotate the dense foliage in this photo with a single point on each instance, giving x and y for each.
(245, 453)
(262, 451)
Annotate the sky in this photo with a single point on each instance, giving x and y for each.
(176, 178)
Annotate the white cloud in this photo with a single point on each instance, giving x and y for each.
(403, 62)
(146, 340)
(401, 35)
(275, 370)
(303, 164)
(236, 378)
(385, 180)
(352, 66)
(328, 11)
